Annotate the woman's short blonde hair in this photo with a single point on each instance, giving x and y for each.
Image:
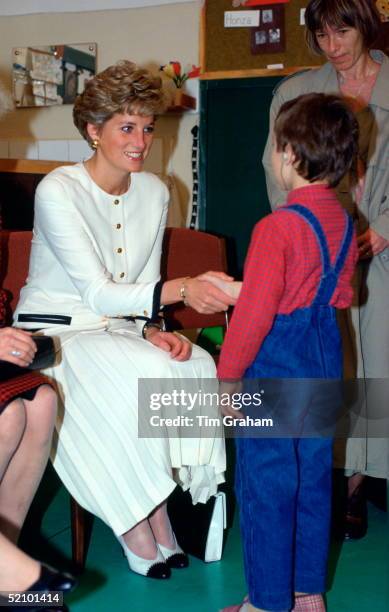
(121, 88)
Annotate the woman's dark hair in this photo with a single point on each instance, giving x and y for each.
(362, 15)
(322, 133)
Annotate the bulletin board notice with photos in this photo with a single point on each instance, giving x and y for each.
(258, 36)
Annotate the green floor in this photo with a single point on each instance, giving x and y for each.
(359, 571)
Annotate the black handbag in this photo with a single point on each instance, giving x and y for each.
(200, 529)
(44, 358)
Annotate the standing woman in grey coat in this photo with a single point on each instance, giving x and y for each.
(344, 31)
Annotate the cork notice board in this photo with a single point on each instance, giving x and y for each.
(225, 49)
(232, 49)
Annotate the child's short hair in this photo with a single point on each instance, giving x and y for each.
(323, 134)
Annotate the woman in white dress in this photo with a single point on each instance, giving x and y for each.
(95, 258)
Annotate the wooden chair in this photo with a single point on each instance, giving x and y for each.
(185, 253)
(188, 252)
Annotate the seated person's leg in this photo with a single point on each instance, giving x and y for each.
(28, 425)
(17, 570)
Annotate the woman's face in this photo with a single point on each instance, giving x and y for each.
(124, 141)
(342, 46)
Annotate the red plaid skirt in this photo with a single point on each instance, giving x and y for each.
(24, 385)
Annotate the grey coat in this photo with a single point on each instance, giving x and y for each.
(365, 328)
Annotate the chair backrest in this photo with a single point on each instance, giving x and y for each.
(19, 179)
(185, 253)
(15, 255)
(189, 252)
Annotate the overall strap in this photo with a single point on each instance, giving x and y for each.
(318, 231)
(344, 247)
(330, 274)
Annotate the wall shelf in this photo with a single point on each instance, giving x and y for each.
(182, 102)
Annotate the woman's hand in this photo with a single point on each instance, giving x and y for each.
(17, 346)
(204, 296)
(370, 243)
(178, 346)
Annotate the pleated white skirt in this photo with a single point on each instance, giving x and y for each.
(110, 470)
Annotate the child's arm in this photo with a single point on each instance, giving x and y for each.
(258, 303)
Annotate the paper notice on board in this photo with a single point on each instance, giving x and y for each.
(241, 19)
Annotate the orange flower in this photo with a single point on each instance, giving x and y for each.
(176, 68)
(173, 71)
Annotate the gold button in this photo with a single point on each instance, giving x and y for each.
(122, 275)
(116, 201)
(119, 250)
(118, 225)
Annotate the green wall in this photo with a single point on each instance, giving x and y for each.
(234, 120)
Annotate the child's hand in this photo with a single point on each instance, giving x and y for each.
(231, 288)
(230, 389)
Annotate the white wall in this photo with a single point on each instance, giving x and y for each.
(150, 36)
(27, 7)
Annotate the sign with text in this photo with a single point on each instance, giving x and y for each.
(241, 19)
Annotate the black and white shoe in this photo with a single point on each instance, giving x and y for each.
(175, 558)
(151, 568)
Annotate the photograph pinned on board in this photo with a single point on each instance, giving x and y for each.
(260, 37)
(267, 16)
(269, 37)
(274, 35)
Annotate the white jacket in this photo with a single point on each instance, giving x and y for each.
(94, 255)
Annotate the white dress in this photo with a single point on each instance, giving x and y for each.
(96, 257)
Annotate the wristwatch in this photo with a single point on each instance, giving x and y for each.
(147, 326)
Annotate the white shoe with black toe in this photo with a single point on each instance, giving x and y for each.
(175, 558)
(151, 568)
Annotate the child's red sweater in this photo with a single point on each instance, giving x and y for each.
(282, 273)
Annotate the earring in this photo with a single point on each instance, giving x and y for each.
(94, 144)
(285, 156)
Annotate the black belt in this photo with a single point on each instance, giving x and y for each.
(45, 318)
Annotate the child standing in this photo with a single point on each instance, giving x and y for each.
(298, 271)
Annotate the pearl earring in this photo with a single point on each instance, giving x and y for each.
(285, 156)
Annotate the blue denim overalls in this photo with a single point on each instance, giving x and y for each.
(283, 485)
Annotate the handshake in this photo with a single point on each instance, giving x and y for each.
(231, 288)
(209, 292)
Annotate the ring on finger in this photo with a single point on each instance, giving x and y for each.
(15, 353)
